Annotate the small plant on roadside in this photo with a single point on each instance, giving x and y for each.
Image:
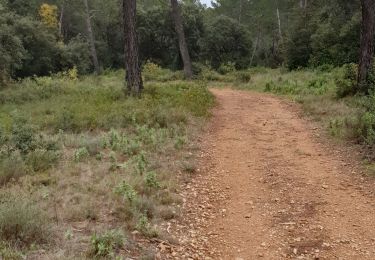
(127, 192)
(151, 180)
(180, 142)
(141, 163)
(105, 244)
(145, 227)
(81, 154)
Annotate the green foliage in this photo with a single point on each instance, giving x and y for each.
(81, 154)
(103, 245)
(127, 191)
(41, 159)
(23, 224)
(144, 226)
(11, 49)
(157, 36)
(226, 68)
(151, 180)
(23, 137)
(346, 82)
(298, 49)
(242, 76)
(226, 41)
(76, 54)
(12, 167)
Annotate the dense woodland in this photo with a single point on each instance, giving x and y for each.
(89, 171)
(44, 37)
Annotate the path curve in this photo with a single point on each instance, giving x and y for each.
(270, 187)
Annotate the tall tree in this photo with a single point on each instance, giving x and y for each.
(367, 43)
(90, 35)
(177, 18)
(133, 72)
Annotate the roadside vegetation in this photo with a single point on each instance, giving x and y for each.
(88, 170)
(99, 116)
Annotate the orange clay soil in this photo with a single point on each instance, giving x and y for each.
(269, 186)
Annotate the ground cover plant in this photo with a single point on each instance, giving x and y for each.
(99, 169)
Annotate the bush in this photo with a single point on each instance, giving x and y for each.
(347, 81)
(103, 245)
(23, 224)
(81, 154)
(227, 68)
(41, 159)
(12, 167)
(242, 76)
(23, 137)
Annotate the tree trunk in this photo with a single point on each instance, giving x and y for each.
(133, 76)
(255, 48)
(91, 38)
(367, 43)
(279, 23)
(61, 20)
(177, 18)
(240, 13)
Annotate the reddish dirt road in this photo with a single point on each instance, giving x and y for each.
(269, 187)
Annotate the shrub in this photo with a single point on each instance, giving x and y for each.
(127, 191)
(22, 223)
(151, 70)
(227, 68)
(104, 244)
(144, 226)
(41, 159)
(347, 81)
(151, 180)
(12, 167)
(23, 137)
(242, 76)
(81, 154)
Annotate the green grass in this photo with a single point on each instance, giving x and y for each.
(81, 150)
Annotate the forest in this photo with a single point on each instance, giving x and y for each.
(103, 105)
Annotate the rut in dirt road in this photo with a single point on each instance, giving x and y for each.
(274, 190)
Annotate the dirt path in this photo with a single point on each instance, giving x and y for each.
(269, 188)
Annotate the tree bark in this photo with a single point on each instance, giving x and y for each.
(133, 76)
(255, 48)
(91, 38)
(279, 23)
(367, 43)
(177, 18)
(61, 20)
(240, 13)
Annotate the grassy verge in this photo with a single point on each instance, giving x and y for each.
(89, 171)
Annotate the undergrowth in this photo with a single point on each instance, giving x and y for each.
(81, 150)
